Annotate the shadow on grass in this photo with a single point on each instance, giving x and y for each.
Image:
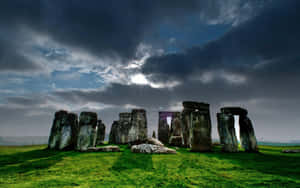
(269, 163)
(23, 162)
(128, 160)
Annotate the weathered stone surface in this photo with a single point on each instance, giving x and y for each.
(186, 125)
(200, 131)
(60, 118)
(227, 132)
(69, 132)
(113, 133)
(247, 135)
(176, 141)
(234, 111)
(138, 129)
(154, 142)
(100, 132)
(131, 127)
(291, 151)
(176, 133)
(153, 134)
(103, 149)
(149, 148)
(64, 131)
(163, 127)
(123, 128)
(87, 130)
(196, 125)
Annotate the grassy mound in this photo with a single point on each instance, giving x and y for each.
(33, 166)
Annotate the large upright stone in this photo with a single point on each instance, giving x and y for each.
(227, 132)
(163, 127)
(138, 129)
(247, 135)
(201, 131)
(87, 130)
(64, 131)
(113, 133)
(100, 132)
(69, 132)
(176, 134)
(60, 118)
(123, 128)
(196, 126)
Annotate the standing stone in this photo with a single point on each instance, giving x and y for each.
(186, 125)
(247, 135)
(64, 131)
(197, 126)
(153, 134)
(113, 133)
(163, 127)
(100, 132)
(87, 130)
(227, 132)
(69, 132)
(138, 129)
(200, 131)
(123, 128)
(60, 118)
(176, 134)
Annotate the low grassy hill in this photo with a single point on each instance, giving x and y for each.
(34, 166)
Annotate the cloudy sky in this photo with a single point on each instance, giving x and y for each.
(113, 56)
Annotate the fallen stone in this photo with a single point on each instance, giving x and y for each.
(154, 142)
(152, 149)
(291, 151)
(103, 149)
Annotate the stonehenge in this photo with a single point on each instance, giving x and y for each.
(170, 134)
(100, 132)
(131, 127)
(64, 131)
(87, 130)
(197, 126)
(227, 134)
(189, 128)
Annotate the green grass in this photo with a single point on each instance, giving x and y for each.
(33, 166)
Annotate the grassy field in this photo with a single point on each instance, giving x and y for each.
(33, 166)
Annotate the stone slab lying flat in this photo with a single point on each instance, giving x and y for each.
(291, 151)
(103, 149)
(150, 148)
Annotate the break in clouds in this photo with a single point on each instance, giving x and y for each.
(112, 56)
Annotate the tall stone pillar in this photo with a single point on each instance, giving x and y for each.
(176, 132)
(138, 130)
(113, 133)
(197, 126)
(60, 118)
(163, 127)
(87, 130)
(227, 132)
(123, 128)
(247, 135)
(100, 132)
(64, 131)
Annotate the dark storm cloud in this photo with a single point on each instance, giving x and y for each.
(98, 26)
(103, 28)
(272, 36)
